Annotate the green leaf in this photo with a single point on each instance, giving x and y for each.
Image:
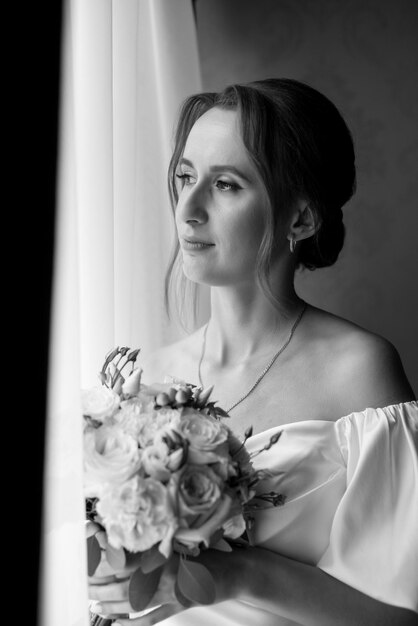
(195, 582)
(142, 587)
(222, 545)
(221, 412)
(217, 535)
(181, 598)
(115, 557)
(151, 559)
(94, 555)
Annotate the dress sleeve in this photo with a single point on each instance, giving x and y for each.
(373, 543)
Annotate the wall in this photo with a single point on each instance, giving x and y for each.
(363, 55)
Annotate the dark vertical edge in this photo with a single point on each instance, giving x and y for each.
(194, 2)
(41, 115)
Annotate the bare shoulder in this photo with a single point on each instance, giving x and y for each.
(365, 368)
(176, 360)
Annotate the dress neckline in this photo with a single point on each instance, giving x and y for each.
(389, 407)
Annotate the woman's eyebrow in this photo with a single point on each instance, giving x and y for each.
(218, 168)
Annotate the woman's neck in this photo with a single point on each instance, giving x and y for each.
(245, 324)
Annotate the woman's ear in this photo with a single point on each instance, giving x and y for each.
(303, 223)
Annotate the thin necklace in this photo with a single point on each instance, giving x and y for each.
(265, 370)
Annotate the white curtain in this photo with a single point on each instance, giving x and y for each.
(126, 66)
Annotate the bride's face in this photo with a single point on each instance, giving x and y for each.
(222, 201)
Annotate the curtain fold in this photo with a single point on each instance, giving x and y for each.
(126, 67)
(161, 37)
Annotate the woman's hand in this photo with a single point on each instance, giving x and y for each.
(109, 589)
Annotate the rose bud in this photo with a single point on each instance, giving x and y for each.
(132, 384)
(133, 355)
(182, 396)
(162, 399)
(204, 395)
(110, 357)
(172, 394)
(117, 385)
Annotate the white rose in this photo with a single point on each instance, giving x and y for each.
(207, 437)
(99, 402)
(192, 537)
(138, 515)
(199, 491)
(153, 424)
(165, 456)
(129, 416)
(110, 456)
(155, 461)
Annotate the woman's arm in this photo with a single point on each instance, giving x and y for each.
(298, 592)
(302, 593)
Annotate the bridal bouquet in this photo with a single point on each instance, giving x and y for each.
(163, 473)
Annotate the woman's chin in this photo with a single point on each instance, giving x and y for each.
(206, 274)
(196, 272)
(208, 279)
(200, 278)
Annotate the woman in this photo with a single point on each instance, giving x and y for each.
(258, 178)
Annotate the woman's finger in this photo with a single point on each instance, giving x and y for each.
(151, 618)
(101, 538)
(102, 580)
(92, 528)
(109, 593)
(112, 609)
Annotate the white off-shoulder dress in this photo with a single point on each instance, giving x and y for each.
(351, 508)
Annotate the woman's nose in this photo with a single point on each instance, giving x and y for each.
(191, 206)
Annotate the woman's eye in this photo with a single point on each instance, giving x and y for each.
(223, 185)
(186, 179)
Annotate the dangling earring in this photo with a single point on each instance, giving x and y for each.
(292, 244)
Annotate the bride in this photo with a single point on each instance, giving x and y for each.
(258, 178)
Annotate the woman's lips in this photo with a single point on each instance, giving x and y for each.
(195, 244)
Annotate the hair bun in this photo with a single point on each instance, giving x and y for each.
(323, 248)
